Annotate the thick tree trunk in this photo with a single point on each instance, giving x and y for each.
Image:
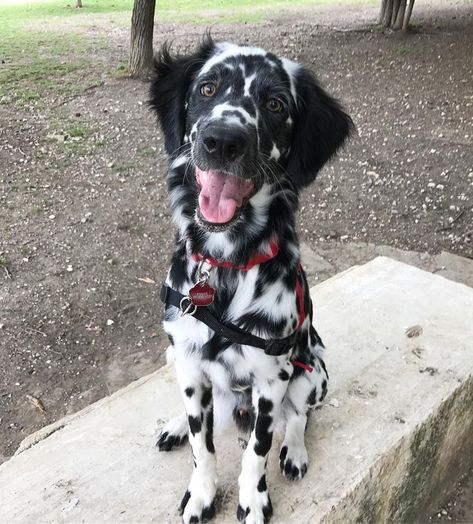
(393, 14)
(407, 18)
(400, 15)
(79, 3)
(388, 13)
(382, 11)
(141, 39)
(396, 4)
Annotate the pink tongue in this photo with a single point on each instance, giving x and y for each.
(221, 194)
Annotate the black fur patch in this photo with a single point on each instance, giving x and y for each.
(283, 375)
(195, 424)
(184, 501)
(264, 437)
(206, 397)
(209, 444)
(262, 484)
(189, 391)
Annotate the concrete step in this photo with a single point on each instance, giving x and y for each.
(395, 432)
(326, 259)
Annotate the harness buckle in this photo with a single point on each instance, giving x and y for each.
(187, 307)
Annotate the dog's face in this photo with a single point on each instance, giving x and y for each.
(244, 120)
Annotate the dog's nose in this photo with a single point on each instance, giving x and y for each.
(224, 143)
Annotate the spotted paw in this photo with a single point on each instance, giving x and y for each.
(198, 504)
(293, 461)
(255, 505)
(174, 434)
(195, 509)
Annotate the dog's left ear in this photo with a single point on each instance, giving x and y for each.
(169, 88)
(322, 126)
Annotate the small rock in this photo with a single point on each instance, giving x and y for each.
(69, 268)
(334, 402)
(110, 322)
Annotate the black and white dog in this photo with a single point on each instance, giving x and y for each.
(246, 131)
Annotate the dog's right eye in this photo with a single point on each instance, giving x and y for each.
(208, 89)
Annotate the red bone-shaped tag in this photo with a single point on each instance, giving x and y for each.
(202, 295)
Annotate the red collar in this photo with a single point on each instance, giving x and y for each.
(252, 262)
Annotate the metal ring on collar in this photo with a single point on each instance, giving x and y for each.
(187, 307)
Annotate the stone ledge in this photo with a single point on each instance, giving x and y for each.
(394, 432)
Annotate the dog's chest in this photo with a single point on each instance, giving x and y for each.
(248, 299)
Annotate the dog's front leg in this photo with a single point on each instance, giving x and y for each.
(255, 504)
(198, 502)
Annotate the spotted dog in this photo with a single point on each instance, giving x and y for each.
(245, 131)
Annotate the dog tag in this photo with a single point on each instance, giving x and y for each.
(202, 294)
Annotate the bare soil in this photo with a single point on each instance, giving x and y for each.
(85, 228)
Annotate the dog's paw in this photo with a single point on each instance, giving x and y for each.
(174, 434)
(293, 461)
(198, 503)
(255, 505)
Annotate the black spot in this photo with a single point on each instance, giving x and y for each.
(194, 519)
(262, 484)
(264, 405)
(283, 375)
(268, 511)
(283, 453)
(171, 339)
(242, 513)
(189, 391)
(195, 424)
(264, 437)
(206, 397)
(312, 398)
(324, 389)
(184, 501)
(208, 512)
(209, 444)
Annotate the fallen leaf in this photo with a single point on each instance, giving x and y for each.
(414, 331)
(146, 280)
(36, 403)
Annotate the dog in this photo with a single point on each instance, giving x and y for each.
(245, 132)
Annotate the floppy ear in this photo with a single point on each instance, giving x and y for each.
(172, 78)
(322, 126)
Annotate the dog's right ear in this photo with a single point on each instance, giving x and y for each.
(169, 88)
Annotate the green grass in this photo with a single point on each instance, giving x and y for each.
(45, 43)
(3, 262)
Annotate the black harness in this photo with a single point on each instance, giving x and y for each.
(273, 346)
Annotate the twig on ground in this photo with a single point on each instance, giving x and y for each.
(454, 219)
(77, 95)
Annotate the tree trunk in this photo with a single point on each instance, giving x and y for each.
(140, 61)
(407, 18)
(79, 3)
(396, 5)
(400, 15)
(388, 13)
(382, 11)
(393, 14)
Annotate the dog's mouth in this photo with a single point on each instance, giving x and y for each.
(221, 196)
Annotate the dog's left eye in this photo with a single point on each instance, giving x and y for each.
(274, 105)
(208, 89)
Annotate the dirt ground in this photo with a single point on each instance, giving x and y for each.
(85, 228)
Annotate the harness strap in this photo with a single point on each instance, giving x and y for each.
(273, 346)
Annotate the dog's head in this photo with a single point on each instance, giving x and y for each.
(243, 120)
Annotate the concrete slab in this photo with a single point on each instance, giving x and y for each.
(396, 428)
(326, 259)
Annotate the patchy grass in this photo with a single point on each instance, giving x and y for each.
(44, 43)
(3, 262)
